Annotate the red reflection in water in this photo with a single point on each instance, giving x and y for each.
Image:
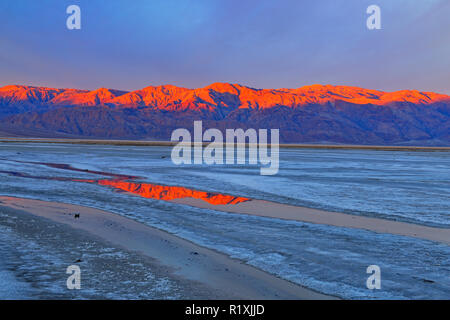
(146, 190)
(154, 191)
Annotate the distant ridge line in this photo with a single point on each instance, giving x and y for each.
(316, 114)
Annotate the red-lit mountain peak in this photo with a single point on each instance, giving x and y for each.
(316, 113)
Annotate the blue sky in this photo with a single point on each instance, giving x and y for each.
(264, 44)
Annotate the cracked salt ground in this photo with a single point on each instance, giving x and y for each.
(38, 252)
(403, 186)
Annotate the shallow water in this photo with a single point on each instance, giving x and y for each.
(398, 185)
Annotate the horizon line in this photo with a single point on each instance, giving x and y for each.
(214, 83)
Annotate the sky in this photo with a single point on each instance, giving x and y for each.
(130, 45)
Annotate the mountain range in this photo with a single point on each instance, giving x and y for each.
(310, 114)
